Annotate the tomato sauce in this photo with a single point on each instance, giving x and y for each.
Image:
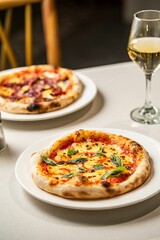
(118, 179)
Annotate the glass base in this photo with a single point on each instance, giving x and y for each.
(146, 115)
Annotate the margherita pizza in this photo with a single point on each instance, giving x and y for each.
(91, 164)
(38, 89)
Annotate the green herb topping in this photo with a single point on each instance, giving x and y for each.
(116, 160)
(77, 160)
(70, 175)
(100, 152)
(81, 169)
(71, 152)
(48, 160)
(113, 173)
(98, 166)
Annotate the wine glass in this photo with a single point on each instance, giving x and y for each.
(144, 49)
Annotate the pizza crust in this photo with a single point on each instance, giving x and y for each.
(73, 190)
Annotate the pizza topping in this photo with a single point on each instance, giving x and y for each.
(103, 157)
(49, 161)
(91, 164)
(81, 169)
(77, 161)
(71, 152)
(5, 92)
(39, 89)
(32, 84)
(115, 159)
(113, 173)
(100, 152)
(98, 166)
(70, 175)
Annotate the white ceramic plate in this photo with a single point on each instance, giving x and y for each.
(87, 97)
(147, 190)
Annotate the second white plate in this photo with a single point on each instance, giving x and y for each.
(147, 190)
(87, 97)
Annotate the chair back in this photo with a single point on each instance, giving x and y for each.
(50, 30)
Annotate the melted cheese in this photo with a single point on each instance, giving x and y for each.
(63, 85)
(24, 88)
(15, 80)
(51, 75)
(36, 80)
(4, 91)
(97, 162)
(47, 94)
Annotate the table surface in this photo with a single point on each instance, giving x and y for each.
(121, 88)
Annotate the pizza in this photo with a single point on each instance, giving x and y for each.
(90, 164)
(39, 89)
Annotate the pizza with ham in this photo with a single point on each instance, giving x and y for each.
(91, 164)
(38, 89)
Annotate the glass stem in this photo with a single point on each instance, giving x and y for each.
(148, 101)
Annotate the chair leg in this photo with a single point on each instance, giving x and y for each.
(7, 28)
(28, 34)
(50, 26)
(7, 47)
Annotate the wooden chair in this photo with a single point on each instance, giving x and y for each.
(50, 29)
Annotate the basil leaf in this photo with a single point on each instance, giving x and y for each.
(77, 160)
(49, 160)
(81, 169)
(71, 152)
(70, 175)
(101, 149)
(98, 167)
(99, 154)
(113, 173)
(116, 160)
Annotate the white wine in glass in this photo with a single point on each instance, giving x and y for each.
(144, 49)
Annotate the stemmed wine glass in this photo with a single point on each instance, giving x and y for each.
(144, 49)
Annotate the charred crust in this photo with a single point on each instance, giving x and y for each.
(84, 193)
(108, 188)
(105, 184)
(111, 191)
(56, 68)
(78, 133)
(80, 195)
(133, 143)
(83, 179)
(68, 194)
(33, 107)
(134, 150)
(55, 104)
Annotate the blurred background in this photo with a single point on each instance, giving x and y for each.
(92, 32)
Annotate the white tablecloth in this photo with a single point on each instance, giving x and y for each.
(121, 88)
